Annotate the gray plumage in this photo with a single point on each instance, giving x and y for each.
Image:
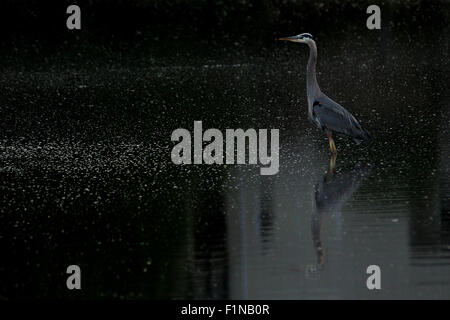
(327, 114)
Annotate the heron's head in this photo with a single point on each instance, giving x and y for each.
(301, 38)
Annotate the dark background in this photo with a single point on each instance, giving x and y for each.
(35, 31)
(86, 116)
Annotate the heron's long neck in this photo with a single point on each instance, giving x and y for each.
(311, 79)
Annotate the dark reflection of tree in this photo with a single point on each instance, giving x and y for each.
(444, 173)
(429, 227)
(208, 264)
(266, 215)
(330, 195)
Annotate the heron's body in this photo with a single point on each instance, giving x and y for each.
(331, 117)
(325, 113)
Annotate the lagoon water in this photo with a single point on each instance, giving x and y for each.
(86, 175)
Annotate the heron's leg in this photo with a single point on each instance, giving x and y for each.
(333, 147)
(331, 140)
(332, 163)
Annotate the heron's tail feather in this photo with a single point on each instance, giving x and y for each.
(363, 135)
(366, 134)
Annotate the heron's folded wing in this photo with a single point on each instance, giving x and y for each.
(336, 118)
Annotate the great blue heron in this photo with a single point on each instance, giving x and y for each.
(327, 114)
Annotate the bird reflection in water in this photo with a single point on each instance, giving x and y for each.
(330, 195)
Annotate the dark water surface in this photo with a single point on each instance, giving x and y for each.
(86, 175)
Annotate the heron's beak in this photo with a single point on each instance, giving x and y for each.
(294, 38)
